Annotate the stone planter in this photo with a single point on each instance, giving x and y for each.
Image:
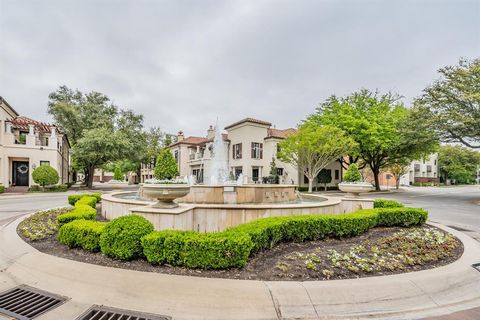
(355, 188)
(165, 193)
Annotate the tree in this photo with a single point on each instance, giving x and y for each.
(82, 116)
(451, 105)
(117, 174)
(166, 167)
(273, 171)
(325, 177)
(458, 163)
(314, 147)
(45, 176)
(383, 129)
(352, 174)
(398, 169)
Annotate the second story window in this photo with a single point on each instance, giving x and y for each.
(237, 151)
(176, 155)
(257, 150)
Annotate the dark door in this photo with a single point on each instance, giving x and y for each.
(255, 174)
(20, 173)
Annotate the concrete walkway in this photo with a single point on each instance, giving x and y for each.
(406, 296)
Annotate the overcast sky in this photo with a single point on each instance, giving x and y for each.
(184, 63)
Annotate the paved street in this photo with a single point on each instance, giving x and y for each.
(457, 207)
(15, 206)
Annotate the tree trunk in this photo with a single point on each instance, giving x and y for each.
(310, 185)
(376, 174)
(397, 183)
(89, 181)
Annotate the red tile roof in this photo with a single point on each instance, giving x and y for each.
(277, 133)
(23, 123)
(252, 120)
(191, 140)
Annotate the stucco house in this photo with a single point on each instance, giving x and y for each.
(251, 145)
(26, 144)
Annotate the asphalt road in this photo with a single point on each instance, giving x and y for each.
(457, 207)
(12, 207)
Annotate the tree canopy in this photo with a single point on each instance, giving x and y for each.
(314, 147)
(166, 167)
(383, 129)
(451, 105)
(458, 163)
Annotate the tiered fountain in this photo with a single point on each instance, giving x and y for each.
(218, 205)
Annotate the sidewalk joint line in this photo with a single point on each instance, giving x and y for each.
(310, 299)
(275, 304)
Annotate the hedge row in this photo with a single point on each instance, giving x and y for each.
(72, 199)
(82, 233)
(232, 247)
(387, 203)
(84, 209)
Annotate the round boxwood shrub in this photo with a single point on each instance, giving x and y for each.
(45, 176)
(121, 238)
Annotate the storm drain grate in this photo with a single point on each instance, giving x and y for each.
(476, 266)
(24, 302)
(108, 313)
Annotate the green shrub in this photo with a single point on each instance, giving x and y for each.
(80, 212)
(82, 233)
(352, 174)
(387, 203)
(117, 174)
(72, 199)
(404, 217)
(158, 251)
(166, 167)
(2, 188)
(59, 188)
(87, 200)
(121, 238)
(45, 176)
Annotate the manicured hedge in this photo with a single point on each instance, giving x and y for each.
(82, 233)
(121, 238)
(81, 211)
(387, 203)
(72, 199)
(404, 217)
(87, 200)
(232, 247)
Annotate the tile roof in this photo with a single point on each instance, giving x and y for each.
(23, 123)
(277, 133)
(252, 120)
(191, 140)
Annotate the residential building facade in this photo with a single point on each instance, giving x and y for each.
(26, 144)
(251, 146)
(422, 171)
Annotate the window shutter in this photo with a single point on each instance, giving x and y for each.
(261, 150)
(253, 151)
(240, 152)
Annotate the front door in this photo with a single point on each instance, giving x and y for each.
(255, 174)
(20, 173)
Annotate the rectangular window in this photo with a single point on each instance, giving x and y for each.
(280, 171)
(278, 148)
(176, 155)
(305, 179)
(337, 174)
(44, 163)
(257, 150)
(237, 171)
(255, 174)
(237, 151)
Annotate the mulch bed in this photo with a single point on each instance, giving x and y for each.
(310, 260)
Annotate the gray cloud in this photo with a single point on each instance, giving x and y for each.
(183, 63)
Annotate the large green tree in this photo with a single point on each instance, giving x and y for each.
(451, 105)
(99, 131)
(458, 163)
(314, 147)
(384, 130)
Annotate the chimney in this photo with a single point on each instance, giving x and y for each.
(180, 136)
(210, 133)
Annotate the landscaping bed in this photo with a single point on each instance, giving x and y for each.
(372, 250)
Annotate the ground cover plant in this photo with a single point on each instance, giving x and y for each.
(41, 224)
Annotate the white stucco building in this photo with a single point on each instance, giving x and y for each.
(251, 145)
(26, 144)
(422, 171)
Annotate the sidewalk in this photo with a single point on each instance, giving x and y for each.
(405, 296)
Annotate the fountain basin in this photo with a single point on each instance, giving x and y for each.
(165, 193)
(355, 188)
(208, 217)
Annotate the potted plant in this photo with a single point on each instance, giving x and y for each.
(352, 182)
(164, 188)
(118, 180)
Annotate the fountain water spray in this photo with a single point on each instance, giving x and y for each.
(218, 171)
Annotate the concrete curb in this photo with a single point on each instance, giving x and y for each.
(412, 295)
